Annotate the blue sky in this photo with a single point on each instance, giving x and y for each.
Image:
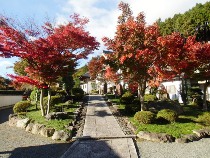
(101, 13)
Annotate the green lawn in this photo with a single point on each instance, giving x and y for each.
(184, 125)
(35, 115)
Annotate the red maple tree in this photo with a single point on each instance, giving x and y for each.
(96, 66)
(48, 51)
(145, 57)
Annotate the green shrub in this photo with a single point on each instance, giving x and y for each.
(165, 104)
(127, 98)
(21, 106)
(60, 93)
(33, 95)
(132, 108)
(144, 117)
(78, 94)
(149, 97)
(167, 114)
(204, 118)
(77, 90)
(54, 100)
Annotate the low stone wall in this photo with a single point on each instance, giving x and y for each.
(36, 128)
(166, 138)
(7, 100)
(159, 137)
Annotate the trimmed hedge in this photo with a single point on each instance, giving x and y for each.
(204, 118)
(21, 106)
(78, 94)
(54, 100)
(167, 114)
(127, 98)
(144, 117)
(149, 97)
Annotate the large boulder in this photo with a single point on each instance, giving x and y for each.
(47, 132)
(156, 137)
(202, 132)
(29, 127)
(36, 128)
(57, 115)
(23, 123)
(61, 135)
(187, 138)
(13, 119)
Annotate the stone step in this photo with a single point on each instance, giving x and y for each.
(104, 137)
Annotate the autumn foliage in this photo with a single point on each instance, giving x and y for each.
(49, 50)
(145, 57)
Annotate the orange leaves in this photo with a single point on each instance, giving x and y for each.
(96, 66)
(111, 75)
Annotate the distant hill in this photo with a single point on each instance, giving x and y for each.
(79, 72)
(187, 22)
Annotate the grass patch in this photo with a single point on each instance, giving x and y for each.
(35, 115)
(176, 129)
(186, 123)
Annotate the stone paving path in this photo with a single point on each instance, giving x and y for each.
(102, 135)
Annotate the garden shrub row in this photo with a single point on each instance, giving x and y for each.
(21, 106)
(148, 117)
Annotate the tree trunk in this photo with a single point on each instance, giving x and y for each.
(41, 102)
(204, 96)
(142, 88)
(48, 100)
(36, 99)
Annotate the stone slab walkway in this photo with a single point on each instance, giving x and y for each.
(102, 135)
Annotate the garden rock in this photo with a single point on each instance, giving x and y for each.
(47, 132)
(57, 115)
(156, 137)
(29, 127)
(188, 138)
(23, 123)
(13, 119)
(61, 135)
(36, 128)
(202, 133)
(181, 140)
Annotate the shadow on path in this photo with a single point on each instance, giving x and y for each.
(4, 115)
(42, 151)
(91, 149)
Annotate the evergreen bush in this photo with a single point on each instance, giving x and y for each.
(204, 118)
(54, 100)
(149, 97)
(144, 117)
(21, 106)
(167, 114)
(127, 98)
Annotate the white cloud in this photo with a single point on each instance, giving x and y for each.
(5, 63)
(6, 66)
(103, 16)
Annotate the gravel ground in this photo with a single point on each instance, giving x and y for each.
(16, 143)
(197, 149)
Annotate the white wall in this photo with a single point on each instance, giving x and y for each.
(173, 89)
(6, 100)
(87, 87)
